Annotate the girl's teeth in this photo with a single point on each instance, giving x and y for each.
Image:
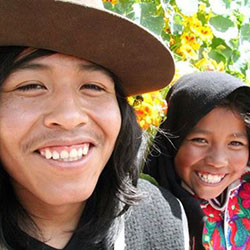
(64, 154)
(85, 149)
(79, 152)
(72, 155)
(211, 179)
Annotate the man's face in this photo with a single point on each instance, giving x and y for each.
(59, 121)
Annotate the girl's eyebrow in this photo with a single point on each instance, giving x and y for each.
(240, 135)
(199, 130)
(203, 131)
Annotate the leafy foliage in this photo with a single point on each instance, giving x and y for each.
(202, 35)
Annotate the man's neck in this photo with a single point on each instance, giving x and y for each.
(56, 223)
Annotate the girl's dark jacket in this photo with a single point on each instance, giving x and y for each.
(189, 99)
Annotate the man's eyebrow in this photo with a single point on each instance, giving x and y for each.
(40, 66)
(95, 67)
(30, 65)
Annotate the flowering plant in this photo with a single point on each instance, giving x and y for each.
(202, 34)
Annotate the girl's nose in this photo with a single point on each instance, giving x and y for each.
(217, 157)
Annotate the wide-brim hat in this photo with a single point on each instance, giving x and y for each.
(84, 29)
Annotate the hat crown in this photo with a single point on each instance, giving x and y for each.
(84, 29)
(90, 3)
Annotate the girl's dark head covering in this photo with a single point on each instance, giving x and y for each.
(194, 96)
(190, 98)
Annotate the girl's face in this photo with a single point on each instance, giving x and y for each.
(214, 153)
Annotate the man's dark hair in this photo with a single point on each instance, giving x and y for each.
(116, 188)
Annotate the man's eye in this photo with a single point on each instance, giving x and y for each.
(92, 87)
(32, 86)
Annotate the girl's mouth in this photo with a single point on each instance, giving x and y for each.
(211, 178)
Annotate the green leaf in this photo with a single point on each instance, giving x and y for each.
(245, 33)
(187, 7)
(108, 6)
(165, 36)
(202, 18)
(217, 56)
(247, 3)
(227, 52)
(149, 178)
(223, 28)
(234, 43)
(220, 7)
(221, 23)
(175, 24)
(217, 42)
(165, 4)
(222, 48)
(122, 7)
(146, 14)
(235, 55)
(240, 64)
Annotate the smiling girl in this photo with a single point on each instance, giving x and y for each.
(204, 157)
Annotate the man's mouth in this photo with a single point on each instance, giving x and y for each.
(211, 178)
(65, 153)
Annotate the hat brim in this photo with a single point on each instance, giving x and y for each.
(139, 59)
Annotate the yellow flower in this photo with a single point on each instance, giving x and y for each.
(205, 33)
(166, 27)
(172, 41)
(190, 39)
(202, 7)
(189, 46)
(209, 64)
(198, 30)
(149, 110)
(209, 15)
(187, 52)
(130, 100)
(111, 1)
(192, 22)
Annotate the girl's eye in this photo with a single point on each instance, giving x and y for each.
(199, 140)
(236, 143)
(31, 86)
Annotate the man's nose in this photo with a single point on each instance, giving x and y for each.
(66, 113)
(217, 157)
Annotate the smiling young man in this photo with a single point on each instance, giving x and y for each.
(65, 108)
(69, 139)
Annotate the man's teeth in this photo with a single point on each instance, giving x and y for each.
(70, 155)
(210, 178)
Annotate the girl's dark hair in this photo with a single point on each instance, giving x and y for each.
(239, 102)
(115, 191)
